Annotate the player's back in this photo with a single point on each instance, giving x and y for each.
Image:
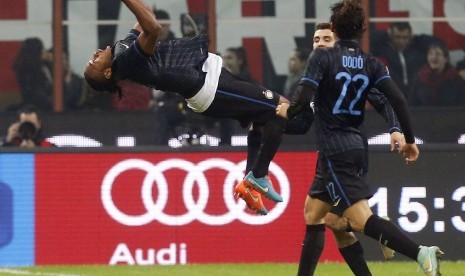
(345, 74)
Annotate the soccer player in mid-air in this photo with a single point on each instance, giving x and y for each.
(339, 79)
(185, 66)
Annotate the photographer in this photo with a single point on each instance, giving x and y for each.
(27, 131)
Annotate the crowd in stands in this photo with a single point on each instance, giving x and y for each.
(419, 64)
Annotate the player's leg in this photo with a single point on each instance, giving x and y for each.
(271, 137)
(388, 252)
(349, 246)
(314, 240)
(252, 198)
(353, 191)
(363, 220)
(249, 102)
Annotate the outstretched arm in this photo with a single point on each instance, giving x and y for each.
(146, 22)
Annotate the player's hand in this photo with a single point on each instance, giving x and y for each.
(398, 139)
(410, 153)
(281, 110)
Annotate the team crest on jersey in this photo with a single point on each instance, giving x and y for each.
(268, 94)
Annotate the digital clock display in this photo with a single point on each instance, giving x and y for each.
(425, 199)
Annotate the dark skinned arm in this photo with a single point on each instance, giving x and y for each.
(147, 24)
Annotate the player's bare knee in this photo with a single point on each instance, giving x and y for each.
(311, 218)
(335, 222)
(356, 225)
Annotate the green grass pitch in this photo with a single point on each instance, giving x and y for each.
(267, 269)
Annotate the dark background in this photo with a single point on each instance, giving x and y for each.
(433, 126)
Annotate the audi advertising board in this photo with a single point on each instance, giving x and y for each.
(165, 208)
(168, 208)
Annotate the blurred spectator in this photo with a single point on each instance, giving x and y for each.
(456, 95)
(296, 65)
(73, 84)
(235, 60)
(437, 81)
(176, 120)
(193, 24)
(33, 75)
(396, 50)
(27, 131)
(136, 97)
(166, 33)
(461, 70)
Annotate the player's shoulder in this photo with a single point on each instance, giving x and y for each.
(320, 53)
(121, 46)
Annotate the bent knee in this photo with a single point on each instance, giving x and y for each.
(311, 218)
(336, 222)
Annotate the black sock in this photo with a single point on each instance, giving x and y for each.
(390, 235)
(271, 140)
(353, 255)
(254, 139)
(312, 248)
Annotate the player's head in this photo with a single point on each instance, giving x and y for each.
(323, 36)
(348, 19)
(400, 35)
(98, 72)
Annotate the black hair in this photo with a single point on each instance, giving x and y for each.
(348, 19)
(161, 14)
(241, 54)
(401, 26)
(323, 26)
(29, 55)
(103, 85)
(441, 44)
(28, 109)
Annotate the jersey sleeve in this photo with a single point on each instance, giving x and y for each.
(380, 70)
(379, 101)
(129, 58)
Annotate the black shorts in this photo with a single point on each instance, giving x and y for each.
(340, 180)
(242, 100)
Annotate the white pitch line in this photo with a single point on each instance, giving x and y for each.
(25, 272)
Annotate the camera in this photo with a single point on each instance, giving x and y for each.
(27, 130)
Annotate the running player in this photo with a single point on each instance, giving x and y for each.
(348, 244)
(339, 78)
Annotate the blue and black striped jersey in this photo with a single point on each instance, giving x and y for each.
(176, 65)
(344, 75)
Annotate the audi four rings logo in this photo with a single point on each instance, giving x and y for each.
(154, 207)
